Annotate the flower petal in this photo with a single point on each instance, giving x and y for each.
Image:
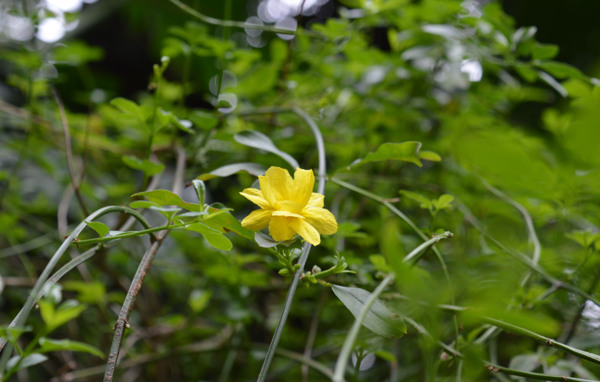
(301, 191)
(322, 219)
(255, 196)
(287, 214)
(257, 220)
(279, 228)
(316, 200)
(307, 231)
(275, 184)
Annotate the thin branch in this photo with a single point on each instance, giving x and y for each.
(240, 24)
(544, 377)
(547, 341)
(138, 279)
(305, 248)
(312, 334)
(69, 151)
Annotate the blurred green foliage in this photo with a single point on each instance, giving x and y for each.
(421, 106)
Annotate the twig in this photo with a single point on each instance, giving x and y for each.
(208, 344)
(138, 279)
(544, 377)
(545, 340)
(69, 152)
(239, 24)
(312, 333)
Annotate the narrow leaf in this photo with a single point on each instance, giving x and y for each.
(379, 319)
(48, 345)
(30, 360)
(262, 142)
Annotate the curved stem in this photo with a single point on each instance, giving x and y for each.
(340, 365)
(305, 249)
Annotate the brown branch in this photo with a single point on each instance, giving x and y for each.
(138, 279)
(69, 151)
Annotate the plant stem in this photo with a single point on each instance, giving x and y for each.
(548, 341)
(421, 248)
(305, 248)
(134, 289)
(544, 377)
(21, 317)
(239, 24)
(340, 365)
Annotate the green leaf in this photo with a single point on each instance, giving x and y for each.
(430, 156)
(30, 360)
(443, 202)
(262, 142)
(526, 72)
(423, 201)
(55, 317)
(561, 70)
(203, 119)
(200, 189)
(264, 241)
(212, 236)
(143, 204)
(147, 166)
(168, 198)
(129, 107)
(100, 228)
(199, 299)
(405, 151)
(544, 51)
(226, 223)
(89, 292)
(230, 169)
(379, 319)
(48, 345)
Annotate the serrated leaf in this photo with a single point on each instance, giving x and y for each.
(405, 151)
(379, 319)
(48, 345)
(230, 169)
(147, 166)
(100, 228)
(212, 236)
(262, 142)
(168, 198)
(30, 360)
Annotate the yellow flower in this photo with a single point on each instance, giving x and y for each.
(289, 207)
